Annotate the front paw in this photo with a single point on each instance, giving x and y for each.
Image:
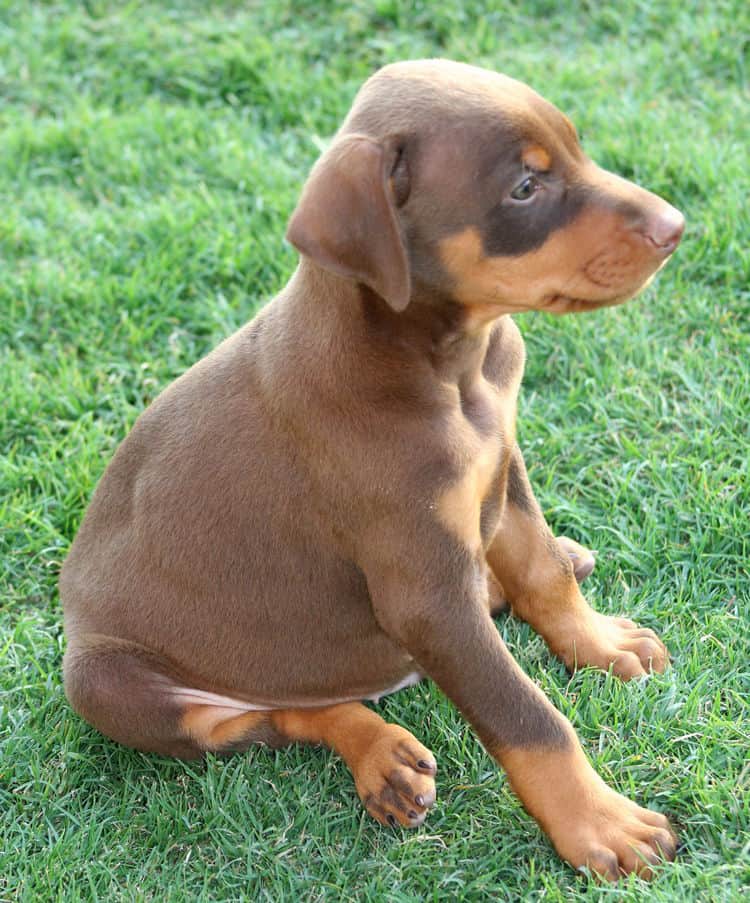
(591, 825)
(601, 641)
(614, 836)
(395, 779)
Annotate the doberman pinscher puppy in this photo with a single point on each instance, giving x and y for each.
(332, 503)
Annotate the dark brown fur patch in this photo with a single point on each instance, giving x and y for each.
(518, 491)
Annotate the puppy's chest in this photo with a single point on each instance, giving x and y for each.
(483, 433)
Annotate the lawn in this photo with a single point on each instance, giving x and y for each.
(150, 155)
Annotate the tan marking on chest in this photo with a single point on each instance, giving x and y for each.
(459, 507)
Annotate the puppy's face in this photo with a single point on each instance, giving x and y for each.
(494, 201)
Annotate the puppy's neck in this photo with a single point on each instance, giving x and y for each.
(433, 332)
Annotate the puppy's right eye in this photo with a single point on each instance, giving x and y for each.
(525, 190)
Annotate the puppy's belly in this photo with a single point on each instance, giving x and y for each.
(307, 667)
(191, 696)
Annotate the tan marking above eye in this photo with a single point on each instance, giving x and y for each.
(536, 158)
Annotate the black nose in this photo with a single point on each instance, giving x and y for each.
(664, 229)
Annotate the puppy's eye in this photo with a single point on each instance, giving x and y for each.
(526, 189)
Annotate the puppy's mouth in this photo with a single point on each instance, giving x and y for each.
(561, 303)
(565, 304)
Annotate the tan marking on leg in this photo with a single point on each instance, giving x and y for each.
(538, 576)
(218, 727)
(590, 825)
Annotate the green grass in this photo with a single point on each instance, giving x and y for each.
(150, 154)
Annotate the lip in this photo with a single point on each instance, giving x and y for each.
(564, 304)
(561, 303)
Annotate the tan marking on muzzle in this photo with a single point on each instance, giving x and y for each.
(593, 260)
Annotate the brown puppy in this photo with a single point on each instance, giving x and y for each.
(324, 508)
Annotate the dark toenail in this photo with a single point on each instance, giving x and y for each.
(391, 820)
(419, 800)
(423, 764)
(412, 814)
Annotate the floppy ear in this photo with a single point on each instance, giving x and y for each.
(346, 218)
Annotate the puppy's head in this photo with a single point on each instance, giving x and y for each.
(456, 182)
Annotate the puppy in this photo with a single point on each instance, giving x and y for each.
(332, 503)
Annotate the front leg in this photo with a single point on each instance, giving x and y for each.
(582, 559)
(432, 601)
(539, 582)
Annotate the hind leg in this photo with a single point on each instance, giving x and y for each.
(134, 696)
(131, 694)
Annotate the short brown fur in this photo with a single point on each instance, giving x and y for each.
(333, 502)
